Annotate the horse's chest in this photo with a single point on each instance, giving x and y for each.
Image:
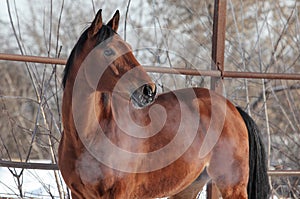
(89, 169)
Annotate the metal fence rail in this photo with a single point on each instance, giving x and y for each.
(167, 70)
(48, 166)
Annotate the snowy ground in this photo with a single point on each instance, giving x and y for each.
(35, 184)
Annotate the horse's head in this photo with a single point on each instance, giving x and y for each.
(109, 64)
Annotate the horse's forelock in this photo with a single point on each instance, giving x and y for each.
(104, 33)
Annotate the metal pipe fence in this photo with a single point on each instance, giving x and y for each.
(167, 70)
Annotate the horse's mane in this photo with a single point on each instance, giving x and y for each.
(104, 33)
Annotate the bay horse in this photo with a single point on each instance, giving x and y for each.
(121, 140)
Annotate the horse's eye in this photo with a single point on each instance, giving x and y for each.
(109, 52)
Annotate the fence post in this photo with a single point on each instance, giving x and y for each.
(218, 42)
(218, 47)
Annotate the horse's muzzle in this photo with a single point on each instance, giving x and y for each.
(144, 95)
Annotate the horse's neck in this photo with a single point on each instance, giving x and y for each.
(104, 105)
(101, 108)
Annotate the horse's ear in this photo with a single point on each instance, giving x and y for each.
(114, 22)
(96, 24)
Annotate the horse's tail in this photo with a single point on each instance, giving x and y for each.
(258, 183)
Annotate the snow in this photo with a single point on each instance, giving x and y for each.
(35, 184)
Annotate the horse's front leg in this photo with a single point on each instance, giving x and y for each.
(193, 189)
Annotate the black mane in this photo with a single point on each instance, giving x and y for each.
(104, 33)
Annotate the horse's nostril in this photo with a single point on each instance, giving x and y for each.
(149, 90)
(144, 95)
